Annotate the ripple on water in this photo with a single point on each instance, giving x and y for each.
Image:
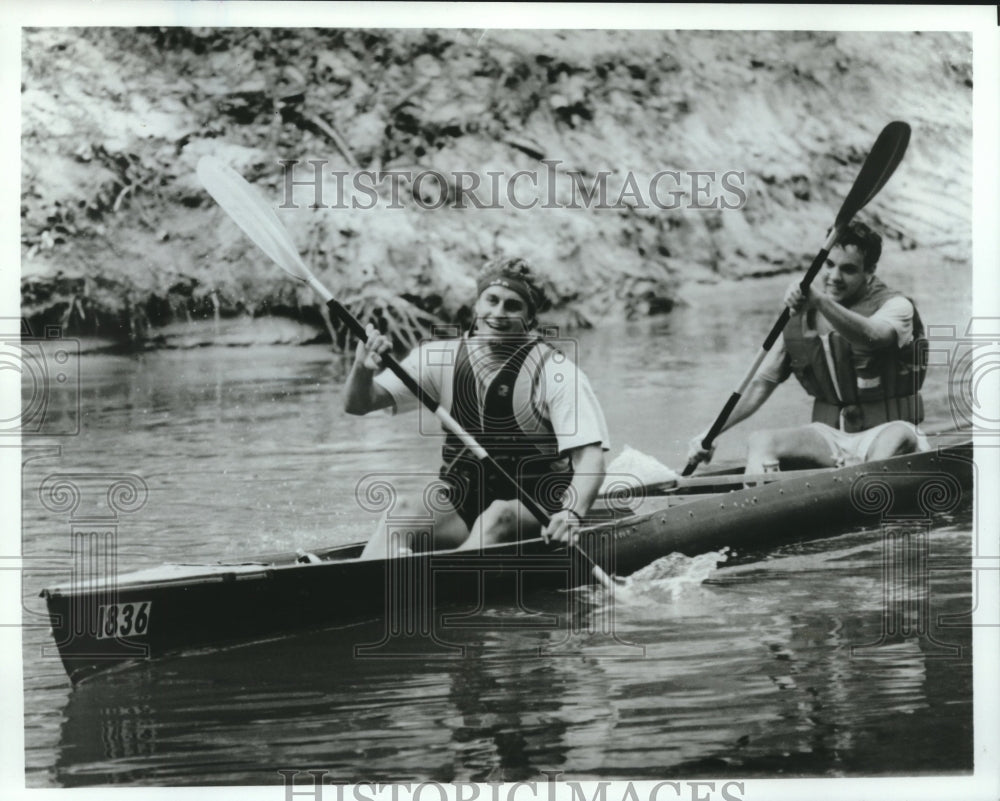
(710, 665)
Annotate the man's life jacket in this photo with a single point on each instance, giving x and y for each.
(532, 458)
(856, 387)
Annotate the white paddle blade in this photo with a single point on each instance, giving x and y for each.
(253, 215)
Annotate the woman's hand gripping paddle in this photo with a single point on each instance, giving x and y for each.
(878, 167)
(259, 222)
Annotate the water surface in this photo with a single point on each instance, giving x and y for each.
(726, 667)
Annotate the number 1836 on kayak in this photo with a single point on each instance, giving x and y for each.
(123, 620)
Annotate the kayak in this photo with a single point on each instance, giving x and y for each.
(175, 608)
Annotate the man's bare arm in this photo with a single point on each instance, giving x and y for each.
(855, 328)
(361, 393)
(588, 475)
(870, 332)
(757, 393)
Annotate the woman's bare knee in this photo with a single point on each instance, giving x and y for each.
(408, 528)
(893, 441)
(787, 446)
(500, 522)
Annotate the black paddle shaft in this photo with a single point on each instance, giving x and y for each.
(769, 341)
(356, 328)
(352, 322)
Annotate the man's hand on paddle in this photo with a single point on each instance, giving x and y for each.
(697, 453)
(368, 353)
(798, 301)
(562, 527)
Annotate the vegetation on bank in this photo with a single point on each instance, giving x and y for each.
(120, 241)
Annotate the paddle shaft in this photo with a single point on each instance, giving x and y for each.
(769, 341)
(337, 310)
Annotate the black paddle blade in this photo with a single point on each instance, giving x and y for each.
(878, 168)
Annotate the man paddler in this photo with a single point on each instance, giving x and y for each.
(525, 402)
(856, 347)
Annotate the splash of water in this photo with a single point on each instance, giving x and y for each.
(666, 579)
(672, 575)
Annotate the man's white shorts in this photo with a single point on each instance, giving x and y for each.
(854, 448)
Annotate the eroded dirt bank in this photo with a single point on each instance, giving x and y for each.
(120, 241)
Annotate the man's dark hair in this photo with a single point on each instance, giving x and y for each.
(865, 240)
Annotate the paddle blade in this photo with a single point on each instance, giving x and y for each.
(878, 167)
(252, 214)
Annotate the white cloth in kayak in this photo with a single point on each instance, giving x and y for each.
(852, 449)
(633, 468)
(562, 395)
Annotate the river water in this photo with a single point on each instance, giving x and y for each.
(724, 668)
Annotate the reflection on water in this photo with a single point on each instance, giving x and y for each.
(738, 667)
(747, 674)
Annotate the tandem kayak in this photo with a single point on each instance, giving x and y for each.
(175, 608)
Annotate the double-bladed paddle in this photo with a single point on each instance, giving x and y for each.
(259, 222)
(878, 167)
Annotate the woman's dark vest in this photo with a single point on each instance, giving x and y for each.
(875, 386)
(527, 457)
